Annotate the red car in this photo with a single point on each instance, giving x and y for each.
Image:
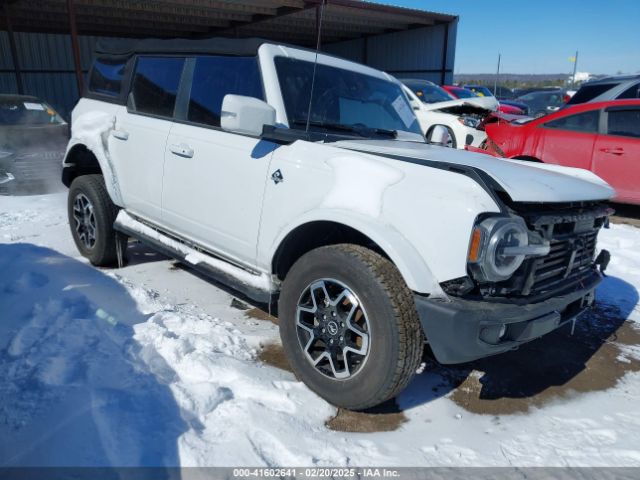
(459, 92)
(603, 137)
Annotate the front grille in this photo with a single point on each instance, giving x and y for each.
(569, 261)
(572, 232)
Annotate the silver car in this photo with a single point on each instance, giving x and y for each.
(609, 88)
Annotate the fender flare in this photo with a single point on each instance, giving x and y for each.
(401, 252)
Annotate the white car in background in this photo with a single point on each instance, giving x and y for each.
(434, 106)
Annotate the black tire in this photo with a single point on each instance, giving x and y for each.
(454, 144)
(104, 251)
(395, 340)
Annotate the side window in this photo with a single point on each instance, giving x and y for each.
(155, 85)
(631, 92)
(625, 123)
(106, 76)
(215, 77)
(582, 122)
(589, 92)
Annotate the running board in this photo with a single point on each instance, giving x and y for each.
(257, 286)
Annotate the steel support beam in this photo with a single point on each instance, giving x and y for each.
(75, 46)
(14, 50)
(445, 54)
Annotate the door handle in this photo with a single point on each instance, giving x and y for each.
(120, 134)
(613, 151)
(181, 150)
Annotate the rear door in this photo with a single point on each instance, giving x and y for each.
(214, 180)
(569, 140)
(617, 152)
(137, 144)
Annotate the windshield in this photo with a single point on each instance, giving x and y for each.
(481, 91)
(463, 93)
(344, 101)
(16, 111)
(428, 92)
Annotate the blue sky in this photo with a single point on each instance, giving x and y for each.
(539, 36)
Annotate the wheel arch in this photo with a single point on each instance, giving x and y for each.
(309, 234)
(78, 161)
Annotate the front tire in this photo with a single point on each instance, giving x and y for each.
(349, 326)
(91, 215)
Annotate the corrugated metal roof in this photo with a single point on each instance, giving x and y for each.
(290, 20)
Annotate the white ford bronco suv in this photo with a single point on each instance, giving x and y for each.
(305, 179)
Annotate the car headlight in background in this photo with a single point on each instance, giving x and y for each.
(469, 121)
(499, 245)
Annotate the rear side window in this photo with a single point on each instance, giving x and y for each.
(215, 77)
(631, 92)
(589, 92)
(625, 123)
(582, 122)
(106, 77)
(155, 85)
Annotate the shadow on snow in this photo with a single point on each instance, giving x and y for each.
(75, 390)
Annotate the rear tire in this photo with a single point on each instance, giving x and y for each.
(372, 301)
(91, 215)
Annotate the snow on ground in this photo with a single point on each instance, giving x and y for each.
(153, 365)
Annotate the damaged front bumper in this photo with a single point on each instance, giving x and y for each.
(460, 330)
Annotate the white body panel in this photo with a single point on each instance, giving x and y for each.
(215, 196)
(91, 125)
(137, 146)
(217, 190)
(402, 206)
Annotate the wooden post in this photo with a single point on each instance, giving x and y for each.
(14, 50)
(73, 28)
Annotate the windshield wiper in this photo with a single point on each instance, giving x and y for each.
(361, 130)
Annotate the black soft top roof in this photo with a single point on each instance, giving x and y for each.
(214, 46)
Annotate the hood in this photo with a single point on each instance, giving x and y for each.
(523, 181)
(484, 103)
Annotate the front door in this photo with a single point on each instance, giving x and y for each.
(214, 180)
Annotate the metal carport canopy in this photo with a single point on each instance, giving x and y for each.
(293, 21)
(416, 42)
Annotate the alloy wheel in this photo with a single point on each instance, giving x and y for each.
(85, 220)
(333, 329)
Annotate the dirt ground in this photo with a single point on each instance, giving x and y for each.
(558, 366)
(626, 214)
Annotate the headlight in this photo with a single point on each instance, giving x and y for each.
(498, 247)
(469, 121)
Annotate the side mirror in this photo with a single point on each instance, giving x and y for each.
(415, 104)
(246, 115)
(439, 136)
